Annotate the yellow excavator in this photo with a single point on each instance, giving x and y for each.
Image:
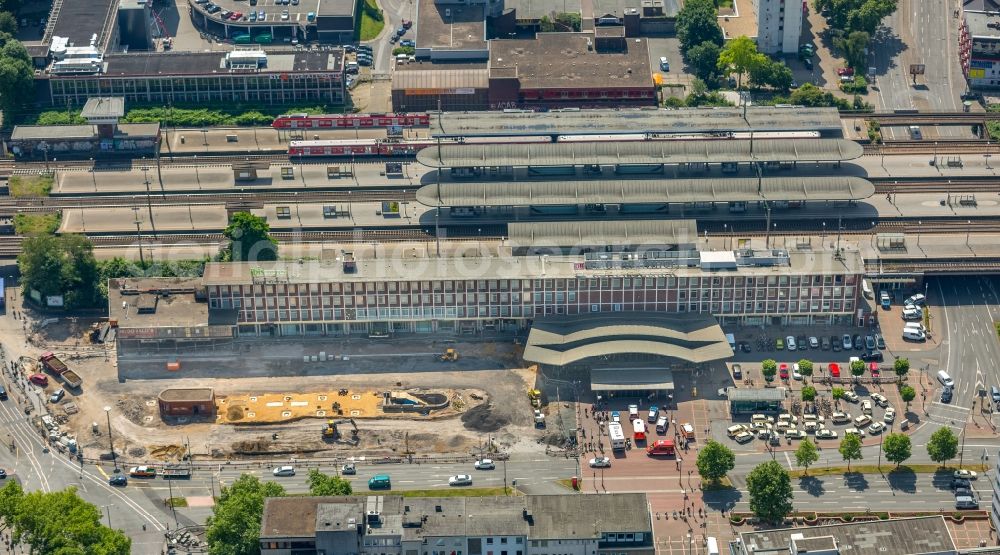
(449, 355)
(332, 433)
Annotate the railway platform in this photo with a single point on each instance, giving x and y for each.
(221, 178)
(257, 140)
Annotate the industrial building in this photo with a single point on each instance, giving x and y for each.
(426, 87)
(177, 402)
(613, 524)
(326, 21)
(196, 77)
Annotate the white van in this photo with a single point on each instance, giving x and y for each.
(401, 58)
(915, 326)
(945, 379)
(840, 417)
(711, 546)
(914, 335)
(661, 424)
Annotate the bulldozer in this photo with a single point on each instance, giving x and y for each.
(449, 355)
(332, 430)
(535, 396)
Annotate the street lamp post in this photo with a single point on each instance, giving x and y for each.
(111, 442)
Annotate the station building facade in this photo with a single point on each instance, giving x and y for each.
(468, 295)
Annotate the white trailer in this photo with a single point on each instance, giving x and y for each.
(617, 436)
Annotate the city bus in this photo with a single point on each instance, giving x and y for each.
(616, 435)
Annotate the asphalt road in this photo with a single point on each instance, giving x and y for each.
(925, 33)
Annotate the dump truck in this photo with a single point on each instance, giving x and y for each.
(535, 396)
(55, 366)
(449, 355)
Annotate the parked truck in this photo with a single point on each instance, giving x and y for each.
(55, 366)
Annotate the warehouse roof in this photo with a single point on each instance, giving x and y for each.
(641, 191)
(628, 232)
(580, 64)
(562, 340)
(641, 152)
(104, 107)
(207, 63)
(450, 26)
(80, 21)
(683, 120)
(747, 394)
(439, 80)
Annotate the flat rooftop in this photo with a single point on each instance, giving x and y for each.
(79, 21)
(617, 7)
(639, 120)
(536, 9)
(82, 132)
(196, 395)
(641, 152)
(644, 190)
(423, 77)
(511, 267)
(207, 63)
(295, 517)
(570, 60)
(177, 308)
(906, 536)
(450, 26)
(601, 233)
(978, 23)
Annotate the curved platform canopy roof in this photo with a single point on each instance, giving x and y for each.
(562, 340)
(656, 121)
(641, 152)
(645, 191)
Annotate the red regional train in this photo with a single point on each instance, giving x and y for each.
(350, 121)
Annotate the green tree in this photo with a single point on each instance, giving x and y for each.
(769, 73)
(769, 368)
(770, 490)
(808, 393)
(806, 454)
(907, 394)
(704, 60)
(897, 448)
(740, 56)
(715, 460)
(234, 527)
(848, 16)
(323, 484)
(545, 25)
(249, 239)
(813, 96)
(806, 367)
(17, 76)
(854, 46)
(570, 21)
(63, 265)
(850, 449)
(837, 393)
(8, 23)
(59, 522)
(858, 368)
(901, 366)
(942, 446)
(698, 22)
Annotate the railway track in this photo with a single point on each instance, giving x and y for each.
(940, 147)
(937, 185)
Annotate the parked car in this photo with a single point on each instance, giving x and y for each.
(912, 313)
(796, 375)
(790, 343)
(946, 395)
(874, 369)
(966, 474)
(408, 43)
(600, 462)
(779, 344)
(880, 400)
(847, 342)
(783, 371)
(39, 379)
(916, 300)
(851, 397)
(284, 471)
(813, 342)
(737, 372)
(664, 64)
(743, 437)
(876, 428)
(834, 369)
(654, 412)
(460, 480)
(793, 433)
(485, 464)
(407, 24)
(961, 483)
(870, 342)
(859, 343)
(862, 421)
(885, 300)
(880, 341)
(825, 433)
(118, 479)
(825, 344)
(836, 344)
(57, 395)
(890, 415)
(745, 347)
(872, 356)
(616, 416)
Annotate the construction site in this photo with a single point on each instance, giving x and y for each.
(383, 399)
